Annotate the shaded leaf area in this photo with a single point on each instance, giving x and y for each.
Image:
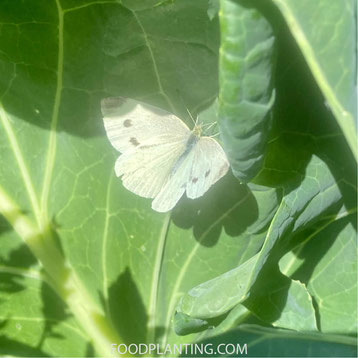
(304, 158)
(34, 321)
(327, 38)
(13, 252)
(331, 280)
(269, 342)
(273, 298)
(305, 153)
(117, 50)
(127, 310)
(207, 230)
(16, 259)
(246, 96)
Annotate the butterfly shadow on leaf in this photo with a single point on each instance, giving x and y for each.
(228, 205)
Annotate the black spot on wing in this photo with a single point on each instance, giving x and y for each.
(149, 146)
(127, 123)
(194, 180)
(134, 141)
(207, 173)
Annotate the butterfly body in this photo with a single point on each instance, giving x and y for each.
(189, 146)
(161, 157)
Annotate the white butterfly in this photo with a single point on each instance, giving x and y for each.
(161, 157)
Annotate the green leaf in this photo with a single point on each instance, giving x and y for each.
(217, 296)
(185, 324)
(258, 341)
(206, 231)
(246, 95)
(282, 302)
(333, 280)
(326, 35)
(272, 298)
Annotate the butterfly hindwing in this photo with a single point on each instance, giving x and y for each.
(175, 187)
(208, 166)
(202, 167)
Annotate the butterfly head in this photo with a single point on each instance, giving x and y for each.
(197, 130)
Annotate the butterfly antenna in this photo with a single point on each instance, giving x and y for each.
(214, 135)
(210, 125)
(191, 117)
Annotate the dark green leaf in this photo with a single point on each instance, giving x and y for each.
(246, 95)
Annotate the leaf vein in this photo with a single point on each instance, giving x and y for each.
(52, 145)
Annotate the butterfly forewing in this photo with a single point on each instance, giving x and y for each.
(146, 170)
(129, 123)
